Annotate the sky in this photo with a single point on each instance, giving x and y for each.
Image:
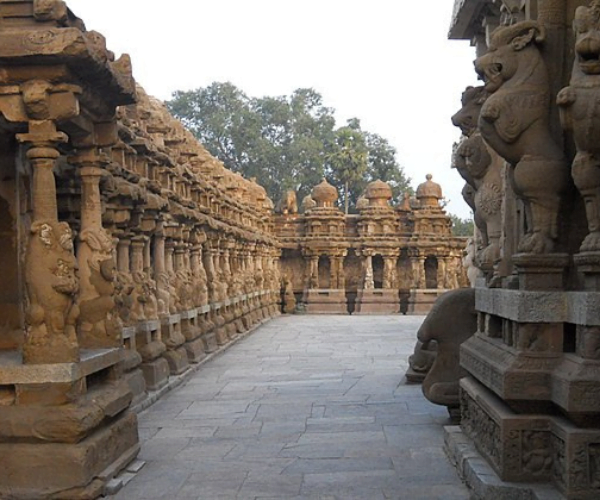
(386, 62)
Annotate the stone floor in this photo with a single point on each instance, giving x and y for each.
(306, 407)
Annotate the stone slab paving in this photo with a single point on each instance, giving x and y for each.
(307, 407)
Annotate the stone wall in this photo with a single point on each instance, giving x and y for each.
(127, 254)
(382, 260)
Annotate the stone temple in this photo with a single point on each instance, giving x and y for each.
(528, 384)
(129, 254)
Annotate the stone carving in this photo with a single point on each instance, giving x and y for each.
(308, 203)
(514, 121)
(580, 115)
(441, 383)
(289, 301)
(362, 202)
(287, 204)
(481, 169)
(98, 319)
(421, 361)
(52, 285)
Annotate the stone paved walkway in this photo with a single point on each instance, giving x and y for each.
(306, 407)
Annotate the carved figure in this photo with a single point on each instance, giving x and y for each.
(580, 112)
(421, 361)
(289, 300)
(362, 202)
(52, 283)
(162, 293)
(124, 298)
(288, 203)
(308, 203)
(451, 321)
(482, 170)
(514, 121)
(98, 319)
(472, 270)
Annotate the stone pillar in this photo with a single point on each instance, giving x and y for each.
(314, 271)
(99, 323)
(422, 281)
(368, 282)
(442, 271)
(160, 270)
(341, 278)
(389, 271)
(50, 276)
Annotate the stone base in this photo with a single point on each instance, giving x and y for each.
(156, 373)
(482, 479)
(377, 301)
(322, 301)
(210, 341)
(542, 448)
(137, 384)
(195, 350)
(421, 301)
(177, 360)
(413, 377)
(68, 471)
(221, 336)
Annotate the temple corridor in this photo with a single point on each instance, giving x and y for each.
(311, 407)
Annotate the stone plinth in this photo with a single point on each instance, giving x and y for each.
(174, 340)
(532, 447)
(325, 301)
(68, 422)
(421, 300)
(154, 367)
(377, 301)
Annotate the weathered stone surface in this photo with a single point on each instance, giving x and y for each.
(63, 466)
(441, 383)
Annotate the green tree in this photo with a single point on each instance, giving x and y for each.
(285, 141)
(462, 227)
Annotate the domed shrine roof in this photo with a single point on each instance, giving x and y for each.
(324, 194)
(378, 193)
(429, 193)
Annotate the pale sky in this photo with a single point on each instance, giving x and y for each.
(386, 62)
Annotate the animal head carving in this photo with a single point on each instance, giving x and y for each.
(472, 101)
(586, 26)
(506, 50)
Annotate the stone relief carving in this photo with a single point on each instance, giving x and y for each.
(52, 285)
(98, 318)
(514, 121)
(441, 383)
(580, 114)
(288, 203)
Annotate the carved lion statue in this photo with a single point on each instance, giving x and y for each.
(288, 203)
(515, 122)
(579, 114)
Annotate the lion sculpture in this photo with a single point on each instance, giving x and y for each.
(515, 122)
(579, 113)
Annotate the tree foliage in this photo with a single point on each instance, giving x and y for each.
(287, 142)
(462, 227)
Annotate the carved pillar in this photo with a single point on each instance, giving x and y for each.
(422, 283)
(50, 276)
(389, 271)
(442, 271)
(314, 271)
(368, 282)
(209, 258)
(160, 270)
(341, 278)
(99, 325)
